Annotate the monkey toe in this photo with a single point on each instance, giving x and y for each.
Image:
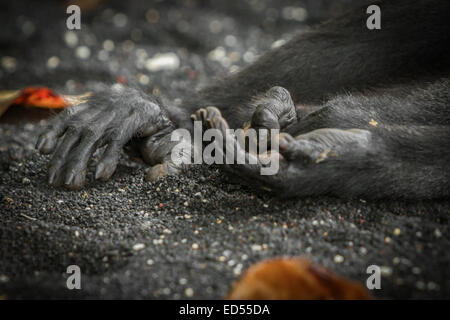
(156, 172)
(206, 115)
(274, 110)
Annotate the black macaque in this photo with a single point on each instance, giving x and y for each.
(363, 113)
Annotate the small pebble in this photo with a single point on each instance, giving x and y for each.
(53, 62)
(165, 61)
(338, 259)
(83, 52)
(189, 292)
(386, 271)
(437, 233)
(138, 246)
(9, 63)
(256, 247)
(71, 39)
(120, 20)
(108, 45)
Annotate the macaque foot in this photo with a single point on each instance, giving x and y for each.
(273, 110)
(324, 144)
(305, 164)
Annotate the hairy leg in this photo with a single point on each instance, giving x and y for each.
(339, 56)
(357, 155)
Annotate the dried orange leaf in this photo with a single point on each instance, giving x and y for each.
(294, 279)
(40, 97)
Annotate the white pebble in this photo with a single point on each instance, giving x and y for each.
(217, 54)
(165, 61)
(256, 247)
(437, 233)
(189, 292)
(138, 246)
(4, 278)
(83, 52)
(215, 26)
(386, 271)
(120, 20)
(238, 270)
(249, 57)
(338, 259)
(230, 40)
(71, 38)
(108, 45)
(53, 62)
(26, 180)
(9, 63)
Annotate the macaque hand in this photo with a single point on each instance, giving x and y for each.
(112, 117)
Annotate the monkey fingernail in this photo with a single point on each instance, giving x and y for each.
(69, 178)
(51, 176)
(40, 142)
(99, 172)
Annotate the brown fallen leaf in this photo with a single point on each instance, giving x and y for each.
(40, 98)
(294, 279)
(6, 99)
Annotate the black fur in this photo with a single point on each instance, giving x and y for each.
(392, 85)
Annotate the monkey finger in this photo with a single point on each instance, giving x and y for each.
(59, 158)
(108, 164)
(47, 141)
(68, 165)
(116, 141)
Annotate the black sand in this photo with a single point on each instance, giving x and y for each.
(188, 236)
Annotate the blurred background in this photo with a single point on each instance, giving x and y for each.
(120, 40)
